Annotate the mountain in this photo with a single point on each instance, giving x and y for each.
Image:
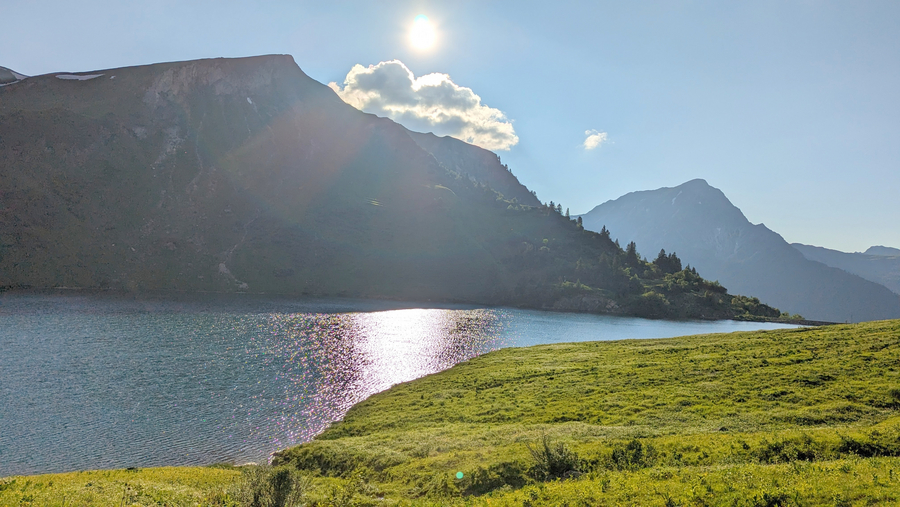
(704, 229)
(882, 267)
(247, 175)
(883, 251)
(479, 164)
(9, 76)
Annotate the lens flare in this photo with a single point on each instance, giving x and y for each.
(422, 35)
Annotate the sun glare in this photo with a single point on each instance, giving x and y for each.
(422, 34)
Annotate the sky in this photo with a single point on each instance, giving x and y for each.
(791, 108)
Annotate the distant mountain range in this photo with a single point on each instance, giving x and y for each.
(884, 251)
(247, 175)
(700, 224)
(878, 264)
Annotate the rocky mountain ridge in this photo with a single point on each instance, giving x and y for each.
(700, 224)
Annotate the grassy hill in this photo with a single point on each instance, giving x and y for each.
(787, 417)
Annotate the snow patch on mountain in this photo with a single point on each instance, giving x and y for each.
(76, 77)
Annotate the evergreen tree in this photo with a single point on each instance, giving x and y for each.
(667, 263)
(674, 262)
(631, 256)
(604, 232)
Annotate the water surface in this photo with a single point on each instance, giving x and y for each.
(90, 382)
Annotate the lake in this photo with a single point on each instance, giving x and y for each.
(101, 381)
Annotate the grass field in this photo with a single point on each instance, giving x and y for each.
(788, 417)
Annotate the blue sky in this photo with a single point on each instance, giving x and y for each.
(791, 108)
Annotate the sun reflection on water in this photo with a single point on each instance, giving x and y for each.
(329, 362)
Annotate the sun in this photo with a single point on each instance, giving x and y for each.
(422, 34)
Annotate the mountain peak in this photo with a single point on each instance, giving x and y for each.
(700, 224)
(882, 251)
(696, 182)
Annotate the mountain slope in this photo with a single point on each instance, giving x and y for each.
(884, 251)
(883, 269)
(701, 225)
(476, 163)
(9, 76)
(247, 175)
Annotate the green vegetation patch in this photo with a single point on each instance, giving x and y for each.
(545, 424)
(146, 486)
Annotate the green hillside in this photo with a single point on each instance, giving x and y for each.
(788, 417)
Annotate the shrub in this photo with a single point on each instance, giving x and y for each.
(333, 459)
(894, 395)
(355, 491)
(801, 448)
(485, 480)
(633, 456)
(877, 444)
(264, 486)
(436, 486)
(770, 500)
(553, 461)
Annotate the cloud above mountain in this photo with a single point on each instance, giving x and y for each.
(432, 102)
(594, 139)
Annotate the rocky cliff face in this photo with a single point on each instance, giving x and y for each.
(701, 225)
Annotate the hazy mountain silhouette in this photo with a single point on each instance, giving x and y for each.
(707, 231)
(882, 267)
(883, 251)
(247, 175)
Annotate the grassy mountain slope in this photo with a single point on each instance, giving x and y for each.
(706, 230)
(247, 175)
(787, 417)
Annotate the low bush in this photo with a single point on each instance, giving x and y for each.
(632, 456)
(802, 448)
(875, 445)
(513, 474)
(553, 461)
(265, 486)
(332, 459)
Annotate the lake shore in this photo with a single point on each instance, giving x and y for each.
(783, 417)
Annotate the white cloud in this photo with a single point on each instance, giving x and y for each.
(594, 139)
(432, 102)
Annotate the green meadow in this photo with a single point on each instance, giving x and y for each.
(790, 417)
